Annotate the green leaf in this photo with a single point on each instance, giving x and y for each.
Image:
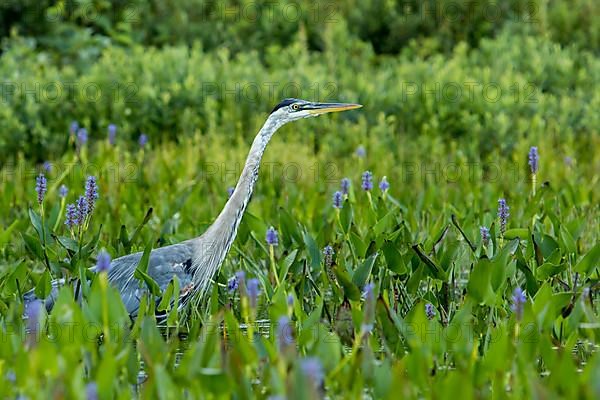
(138, 229)
(360, 276)
(307, 332)
(548, 245)
(439, 232)
(350, 290)
(6, 235)
(124, 238)
(391, 333)
(383, 224)
(242, 349)
(346, 216)
(314, 253)
(501, 267)
(358, 244)
(150, 283)
(590, 261)
(44, 286)
(168, 294)
(142, 268)
(33, 245)
(36, 221)
(532, 284)
(254, 223)
(393, 258)
(548, 270)
(289, 226)
(152, 344)
(315, 315)
(173, 316)
(414, 280)
(464, 235)
(522, 233)
(567, 241)
(479, 285)
(434, 269)
(53, 215)
(144, 260)
(91, 245)
(67, 243)
(287, 263)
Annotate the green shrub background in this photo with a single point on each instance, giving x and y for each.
(163, 69)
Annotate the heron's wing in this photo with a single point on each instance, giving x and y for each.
(164, 263)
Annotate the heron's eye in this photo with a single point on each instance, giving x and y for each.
(295, 107)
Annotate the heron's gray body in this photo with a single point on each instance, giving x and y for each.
(196, 261)
(164, 263)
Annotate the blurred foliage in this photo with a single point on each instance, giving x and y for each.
(388, 25)
(491, 91)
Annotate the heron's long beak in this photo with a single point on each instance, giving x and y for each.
(322, 108)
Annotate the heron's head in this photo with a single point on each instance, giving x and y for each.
(293, 109)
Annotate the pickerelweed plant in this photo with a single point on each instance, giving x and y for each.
(373, 296)
(272, 239)
(533, 161)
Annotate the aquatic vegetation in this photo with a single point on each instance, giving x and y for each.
(448, 269)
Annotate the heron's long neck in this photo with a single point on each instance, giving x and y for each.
(225, 226)
(212, 247)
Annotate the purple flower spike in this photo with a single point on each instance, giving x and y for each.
(533, 159)
(232, 284)
(47, 166)
(71, 217)
(143, 140)
(103, 261)
(503, 214)
(240, 276)
(361, 152)
(518, 302)
(367, 181)
(290, 300)
(568, 161)
(82, 210)
(63, 191)
(41, 187)
(313, 369)
(73, 128)
(384, 185)
(285, 333)
(253, 291)
(82, 136)
(485, 235)
(91, 193)
(272, 237)
(368, 290)
(112, 134)
(345, 186)
(338, 200)
(91, 391)
(429, 311)
(240, 280)
(328, 255)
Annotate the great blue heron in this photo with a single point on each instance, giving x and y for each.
(195, 261)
